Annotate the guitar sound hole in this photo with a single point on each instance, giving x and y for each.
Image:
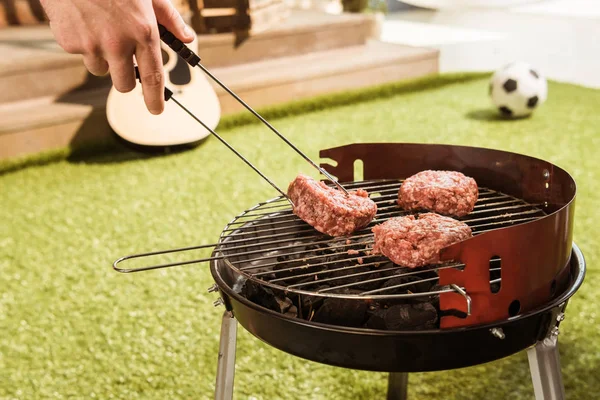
(165, 57)
(180, 75)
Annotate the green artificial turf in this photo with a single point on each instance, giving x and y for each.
(71, 327)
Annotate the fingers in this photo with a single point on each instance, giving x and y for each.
(150, 65)
(122, 73)
(169, 17)
(95, 64)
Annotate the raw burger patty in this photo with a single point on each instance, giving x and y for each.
(444, 192)
(329, 210)
(411, 242)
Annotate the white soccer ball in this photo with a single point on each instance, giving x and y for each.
(518, 89)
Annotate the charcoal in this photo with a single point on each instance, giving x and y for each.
(414, 288)
(289, 258)
(412, 313)
(371, 285)
(310, 281)
(359, 245)
(301, 251)
(292, 312)
(309, 303)
(376, 319)
(374, 306)
(437, 287)
(422, 273)
(278, 274)
(300, 271)
(375, 312)
(260, 295)
(363, 241)
(334, 246)
(411, 316)
(333, 252)
(284, 304)
(343, 280)
(341, 312)
(387, 267)
(336, 261)
(433, 299)
(344, 312)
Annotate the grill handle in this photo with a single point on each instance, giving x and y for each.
(168, 265)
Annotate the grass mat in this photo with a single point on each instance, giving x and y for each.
(71, 327)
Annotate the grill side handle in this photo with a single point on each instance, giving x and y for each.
(534, 266)
(117, 268)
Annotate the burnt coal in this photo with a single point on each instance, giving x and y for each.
(404, 317)
(339, 311)
(284, 304)
(330, 265)
(292, 312)
(375, 281)
(266, 297)
(308, 304)
(357, 282)
(377, 319)
(260, 295)
(403, 285)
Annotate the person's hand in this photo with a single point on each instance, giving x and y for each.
(109, 33)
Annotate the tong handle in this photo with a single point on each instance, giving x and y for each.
(169, 95)
(194, 60)
(178, 46)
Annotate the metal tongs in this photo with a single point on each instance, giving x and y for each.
(194, 60)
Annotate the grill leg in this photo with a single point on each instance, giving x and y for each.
(397, 386)
(544, 363)
(226, 363)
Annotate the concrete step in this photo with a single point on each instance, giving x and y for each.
(46, 123)
(303, 32)
(32, 64)
(285, 79)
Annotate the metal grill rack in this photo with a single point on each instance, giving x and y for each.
(273, 247)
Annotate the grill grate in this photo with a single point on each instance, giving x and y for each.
(273, 247)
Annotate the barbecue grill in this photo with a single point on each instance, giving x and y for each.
(331, 300)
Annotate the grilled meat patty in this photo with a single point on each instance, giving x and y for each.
(416, 241)
(328, 209)
(444, 192)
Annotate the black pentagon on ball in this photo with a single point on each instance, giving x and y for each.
(505, 110)
(532, 102)
(510, 85)
(535, 74)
